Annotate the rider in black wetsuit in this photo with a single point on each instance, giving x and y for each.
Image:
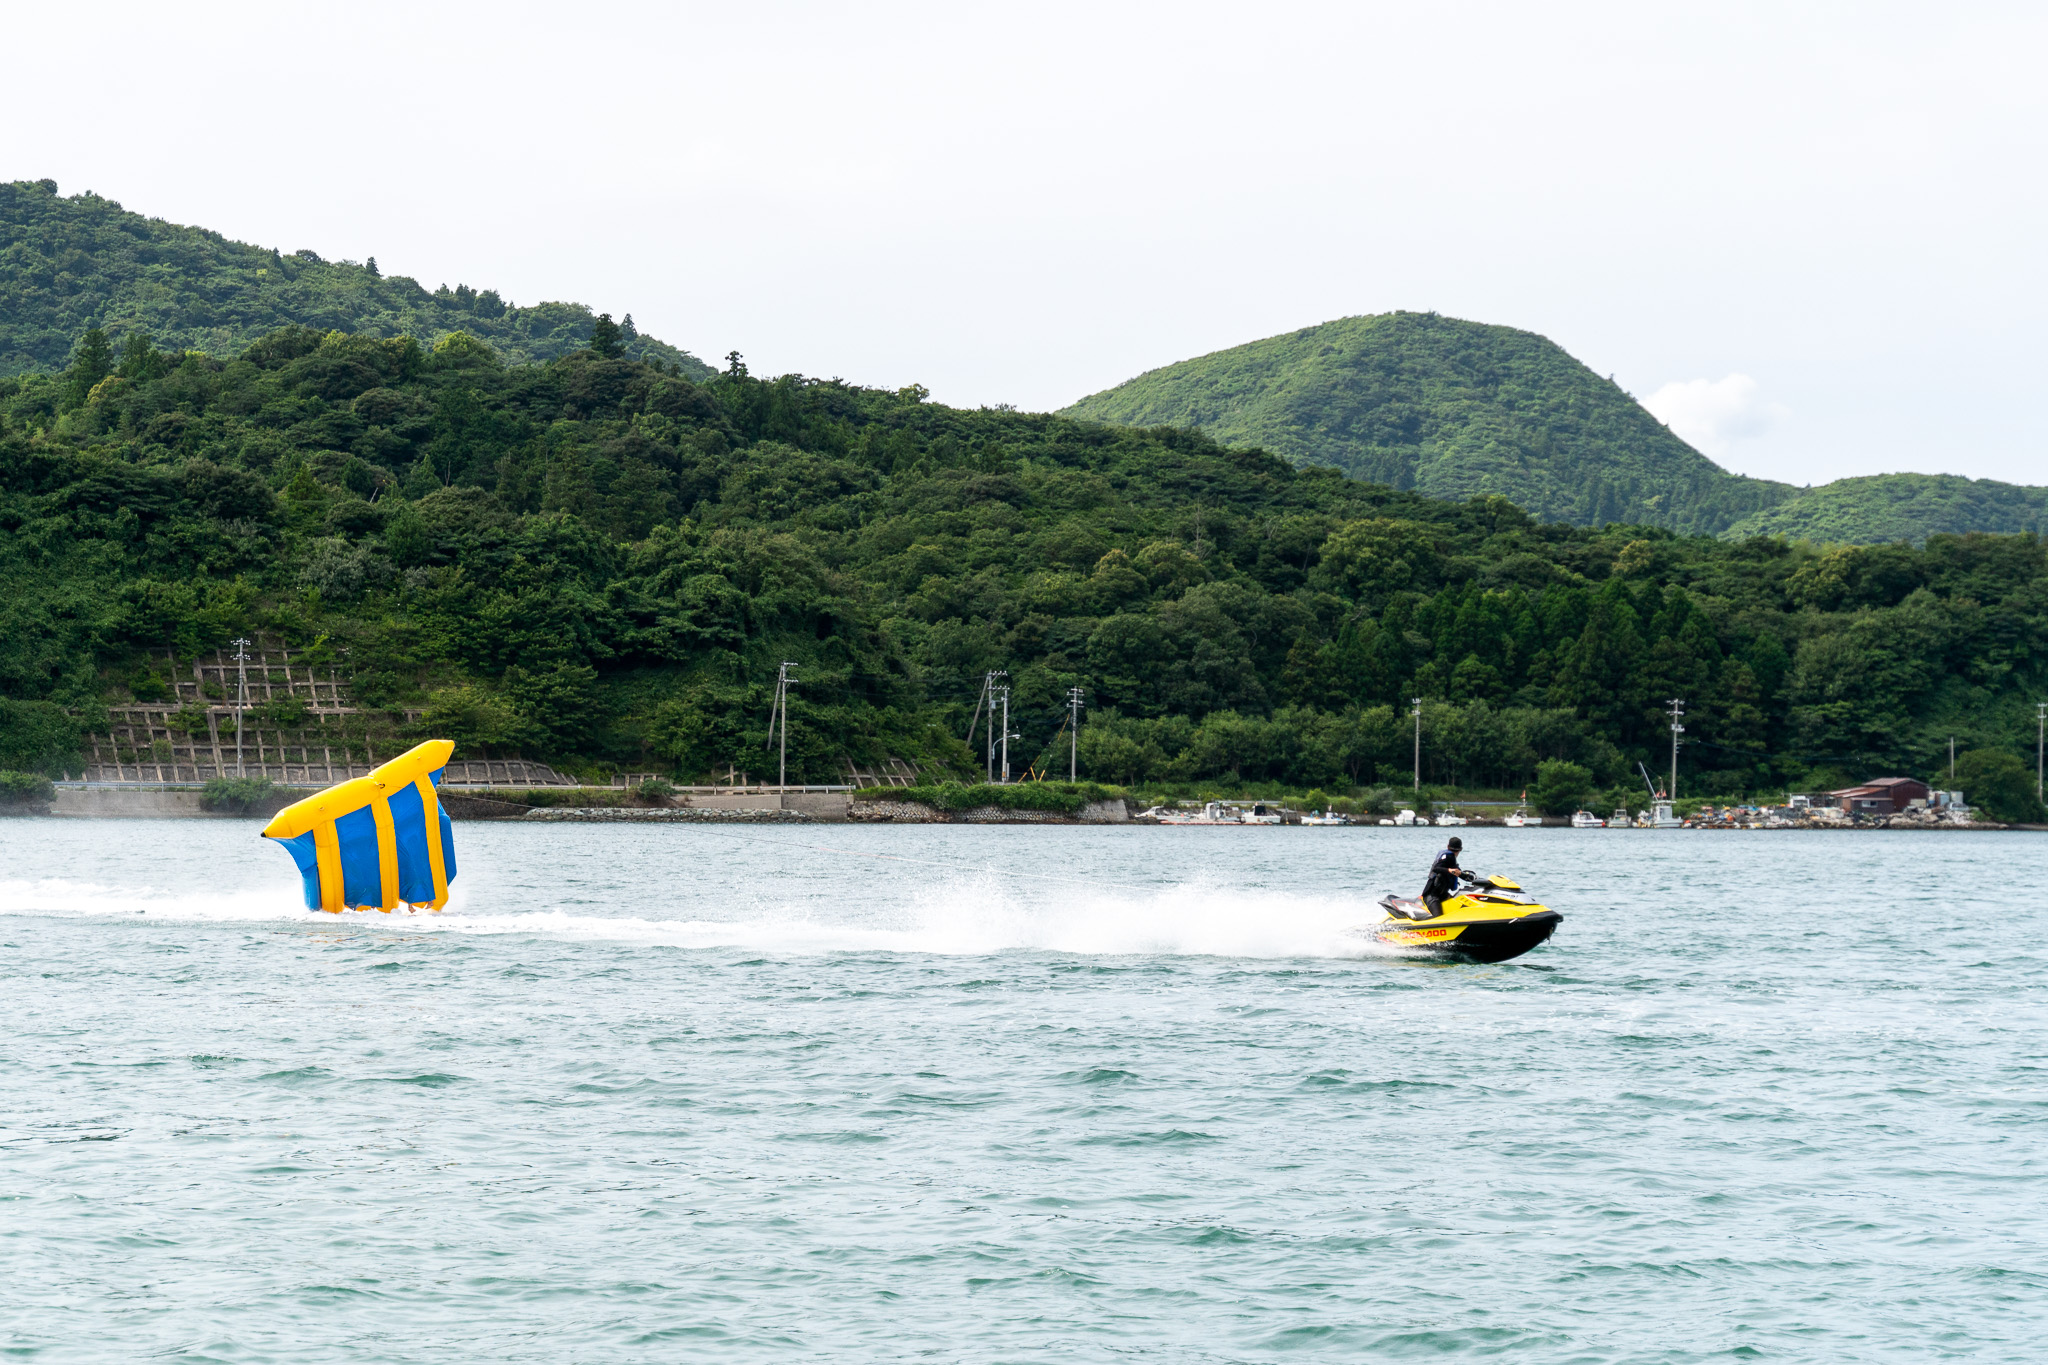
(1443, 877)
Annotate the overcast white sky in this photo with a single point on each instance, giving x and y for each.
(1810, 235)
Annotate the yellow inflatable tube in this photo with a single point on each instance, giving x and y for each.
(376, 842)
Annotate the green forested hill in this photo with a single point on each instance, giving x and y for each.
(67, 264)
(1449, 408)
(598, 562)
(1881, 508)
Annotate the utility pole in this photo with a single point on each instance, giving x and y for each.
(1418, 743)
(241, 697)
(782, 682)
(1951, 761)
(1073, 733)
(988, 694)
(1677, 714)
(1004, 691)
(2040, 733)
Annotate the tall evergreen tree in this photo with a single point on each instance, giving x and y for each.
(605, 339)
(94, 362)
(139, 360)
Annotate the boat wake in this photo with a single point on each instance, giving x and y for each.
(972, 916)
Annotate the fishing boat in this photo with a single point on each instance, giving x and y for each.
(1585, 819)
(1450, 816)
(1519, 819)
(1620, 819)
(1317, 817)
(1659, 815)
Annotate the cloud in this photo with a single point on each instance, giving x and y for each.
(1714, 415)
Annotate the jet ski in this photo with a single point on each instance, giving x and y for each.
(1490, 919)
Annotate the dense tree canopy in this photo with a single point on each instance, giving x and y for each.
(1456, 409)
(599, 561)
(1447, 407)
(1878, 508)
(70, 263)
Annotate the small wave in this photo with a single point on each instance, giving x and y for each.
(69, 899)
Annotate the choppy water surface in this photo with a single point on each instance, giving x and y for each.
(663, 1093)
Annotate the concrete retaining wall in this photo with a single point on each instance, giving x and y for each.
(129, 804)
(816, 805)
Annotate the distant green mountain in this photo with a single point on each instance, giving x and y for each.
(1448, 408)
(1881, 508)
(70, 264)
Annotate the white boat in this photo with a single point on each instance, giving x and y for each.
(1386, 822)
(1620, 819)
(1585, 819)
(1405, 817)
(1450, 816)
(1518, 819)
(1260, 814)
(1316, 817)
(1214, 813)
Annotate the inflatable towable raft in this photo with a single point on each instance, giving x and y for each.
(376, 842)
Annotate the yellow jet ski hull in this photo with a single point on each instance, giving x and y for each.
(1488, 923)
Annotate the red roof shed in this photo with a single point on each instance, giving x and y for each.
(1881, 796)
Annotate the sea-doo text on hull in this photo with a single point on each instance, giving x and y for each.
(1491, 920)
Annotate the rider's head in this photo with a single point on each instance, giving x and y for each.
(1456, 842)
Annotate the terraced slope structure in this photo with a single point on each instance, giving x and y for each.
(297, 726)
(1448, 408)
(72, 263)
(1882, 508)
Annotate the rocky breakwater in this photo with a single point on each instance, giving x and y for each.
(1112, 812)
(674, 815)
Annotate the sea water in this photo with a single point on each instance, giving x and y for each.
(1017, 1093)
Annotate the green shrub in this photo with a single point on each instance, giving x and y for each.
(188, 719)
(1998, 784)
(25, 789)
(236, 795)
(286, 712)
(655, 791)
(1561, 787)
(1381, 801)
(36, 736)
